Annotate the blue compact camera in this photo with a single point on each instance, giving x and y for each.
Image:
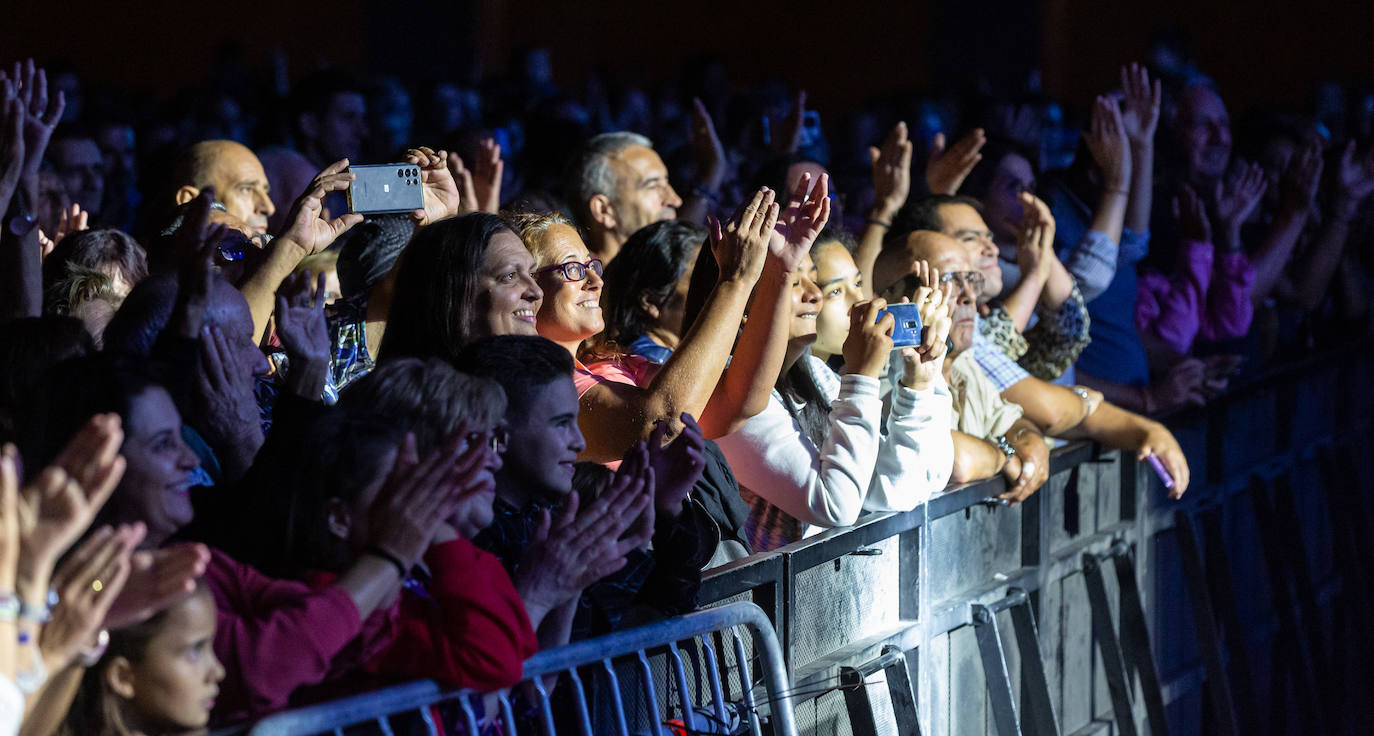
(907, 330)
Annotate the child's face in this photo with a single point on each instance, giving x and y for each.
(175, 684)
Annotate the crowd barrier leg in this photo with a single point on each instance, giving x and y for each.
(853, 681)
(1209, 636)
(1290, 643)
(1137, 656)
(1113, 659)
(1354, 606)
(1034, 682)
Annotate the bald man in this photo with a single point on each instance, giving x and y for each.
(1055, 410)
(236, 174)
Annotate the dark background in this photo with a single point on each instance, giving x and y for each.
(1258, 51)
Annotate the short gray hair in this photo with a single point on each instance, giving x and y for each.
(591, 172)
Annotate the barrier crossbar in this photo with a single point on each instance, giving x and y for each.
(607, 685)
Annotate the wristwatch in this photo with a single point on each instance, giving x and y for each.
(1004, 445)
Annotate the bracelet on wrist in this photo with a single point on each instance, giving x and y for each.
(1003, 445)
(377, 551)
(878, 223)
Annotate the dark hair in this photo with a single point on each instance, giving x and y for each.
(923, 213)
(426, 397)
(994, 152)
(93, 709)
(705, 273)
(649, 264)
(522, 364)
(434, 313)
(109, 252)
(798, 384)
(370, 250)
(590, 480)
(29, 349)
(835, 233)
(69, 394)
(337, 459)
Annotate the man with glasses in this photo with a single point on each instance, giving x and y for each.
(1042, 321)
(1057, 411)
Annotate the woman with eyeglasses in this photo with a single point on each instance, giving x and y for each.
(622, 397)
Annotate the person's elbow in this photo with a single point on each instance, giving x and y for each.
(967, 467)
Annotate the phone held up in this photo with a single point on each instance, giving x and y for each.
(385, 188)
(906, 332)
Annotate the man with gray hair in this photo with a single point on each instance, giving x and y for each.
(617, 185)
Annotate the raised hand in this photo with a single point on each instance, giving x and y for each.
(1355, 179)
(947, 169)
(479, 188)
(224, 395)
(438, 188)
(891, 173)
(87, 584)
(487, 173)
(70, 221)
(741, 247)
(1242, 193)
(156, 579)
(11, 140)
(1106, 141)
(1191, 214)
(1298, 187)
(1035, 242)
(41, 115)
(63, 499)
(707, 151)
(869, 343)
(801, 221)
(786, 136)
(1139, 105)
(677, 466)
(300, 317)
(195, 247)
(306, 225)
(922, 363)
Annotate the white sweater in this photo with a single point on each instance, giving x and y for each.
(795, 489)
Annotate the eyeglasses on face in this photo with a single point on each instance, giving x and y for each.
(572, 270)
(972, 279)
(497, 438)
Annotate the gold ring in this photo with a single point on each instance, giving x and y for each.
(96, 585)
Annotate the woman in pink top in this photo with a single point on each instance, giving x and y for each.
(622, 397)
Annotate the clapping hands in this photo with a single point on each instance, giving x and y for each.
(479, 187)
(801, 221)
(742, 245)
(947, 169)
(677, 465)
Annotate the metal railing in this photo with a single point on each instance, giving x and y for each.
(1071, 612)
(696, 673)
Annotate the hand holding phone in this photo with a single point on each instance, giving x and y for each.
(906, 330)
(385, 188)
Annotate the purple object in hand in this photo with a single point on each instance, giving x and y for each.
(1163, 474)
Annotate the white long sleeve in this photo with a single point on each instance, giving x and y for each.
(775, 461)
(916, 456)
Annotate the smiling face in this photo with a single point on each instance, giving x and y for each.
(840, 284)
(806, 305)
(571, 311)
(508, 297)
(964, 224)
(156, 482)
(172, 687)
(544, 443)
(1204, 129)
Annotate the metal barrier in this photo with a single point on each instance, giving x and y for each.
(1039, 618)
(644, 666)
(920, 601)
